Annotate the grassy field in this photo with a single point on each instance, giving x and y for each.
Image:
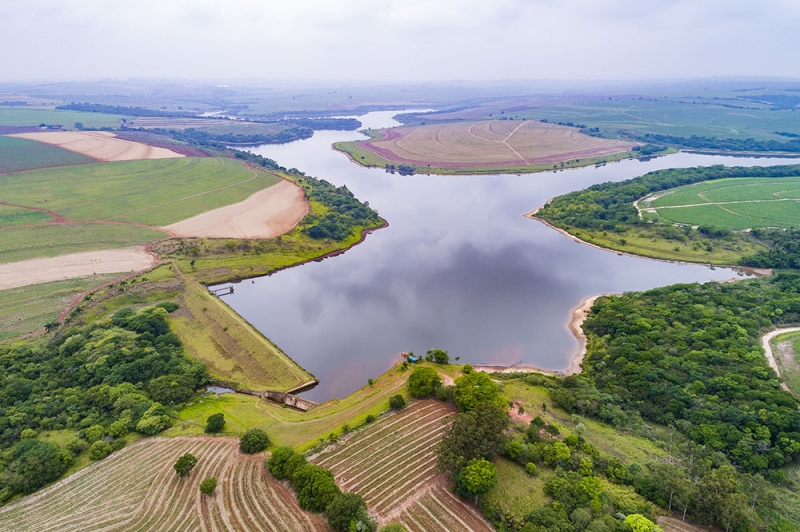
(517, 493)
(21, 243)
(13, 216)
(484, 147)
(733, 203)
(21, 154)
(33, 117)
(153, 192)
(786, 348)
(148, 495)
(27, 309)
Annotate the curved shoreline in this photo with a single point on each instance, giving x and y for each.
(758, 272)
(575, 326)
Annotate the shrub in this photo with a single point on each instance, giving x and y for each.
(99, 450)
(437, 355)
(208, 486)
(183, 467)
(215, 423)
(253, 441)
(370, 419)
(396, 402)
(117, 429)
(94, 433)
(345, 511)
(530, 468)
(444, 393)
(423, 382)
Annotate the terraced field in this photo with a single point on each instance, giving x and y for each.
(136, 489)
(393, 466)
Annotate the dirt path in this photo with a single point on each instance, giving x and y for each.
(266, 214)
(766, 344)
(100, 145)
(45, 270)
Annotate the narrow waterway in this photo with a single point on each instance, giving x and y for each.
(459, 268)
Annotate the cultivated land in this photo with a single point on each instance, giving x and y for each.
(137, 489)
(484, 146)
(73, 265)
(22, 117)
(392, 464)
(100, 145)
(266, 214)
(18, 154)
(733, 203)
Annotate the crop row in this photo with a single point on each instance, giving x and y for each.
(440, 510)
(136, 489)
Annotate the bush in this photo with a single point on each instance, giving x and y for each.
(208, 486)
(530, 468)
(345, 511)
(396, 402)
(315, 487)
(444, 393)
(117, 429)
(99, 450)
(292, 464)
(276, 463)
(423, 382)
(215, 423)
(370, 419)
(437, 355)
(393, 527)
(94, 433)
(253, 441)
(183, 467)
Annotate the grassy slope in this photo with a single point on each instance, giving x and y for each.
(517, 493)
(22, 154)
(33, 117)
(153, 192)
(789, 373)
(27, 309)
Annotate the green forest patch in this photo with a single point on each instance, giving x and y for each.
(733, 203)
(153, 192)
(22, 243)
(28, 308)
(23, 154)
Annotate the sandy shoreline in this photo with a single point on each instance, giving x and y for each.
(575, 326)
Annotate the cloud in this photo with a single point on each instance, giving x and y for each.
(399, 39)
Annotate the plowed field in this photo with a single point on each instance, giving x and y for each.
(490, 143)
(392, 464)
(136, 489)
(100, 145)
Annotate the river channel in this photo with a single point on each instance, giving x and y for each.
(459, 268)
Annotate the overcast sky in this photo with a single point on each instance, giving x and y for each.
(392, 40)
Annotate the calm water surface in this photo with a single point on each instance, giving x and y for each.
(458, 268)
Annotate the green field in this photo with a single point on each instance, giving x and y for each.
(14, 216)
(27, 309)
(22, 243)
(153, 192)
(517, 493)
(733, 203)
(33, 117)
(785, 349)
(22, 154)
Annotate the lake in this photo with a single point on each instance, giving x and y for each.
(459, 268)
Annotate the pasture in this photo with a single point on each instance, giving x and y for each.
(733, 203)
(151, 192)
(480, 146)
(21, 117)
(136, 488)
(18, 154)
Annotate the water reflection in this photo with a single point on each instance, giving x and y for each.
(458, 268)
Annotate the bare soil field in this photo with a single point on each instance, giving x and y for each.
(392, 464)
(44, 270)
(100, 145)
(266, 214)
(137, 489)
(490, 142)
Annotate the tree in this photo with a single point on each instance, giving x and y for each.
(345, 511)
(397, 402)
(215, 423)
(185, 464)
(276, 463)
(474, 434)
(473, 389)
(557, 454)
(171, 389)
(94, 433)
(423, 382)
(437, 355)
(52, 326)
(99, 450)
(32, 464)
(315, 486)
(79, 126)
(477, 477)
(253, 441)
(639, 523)
(208, 486)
